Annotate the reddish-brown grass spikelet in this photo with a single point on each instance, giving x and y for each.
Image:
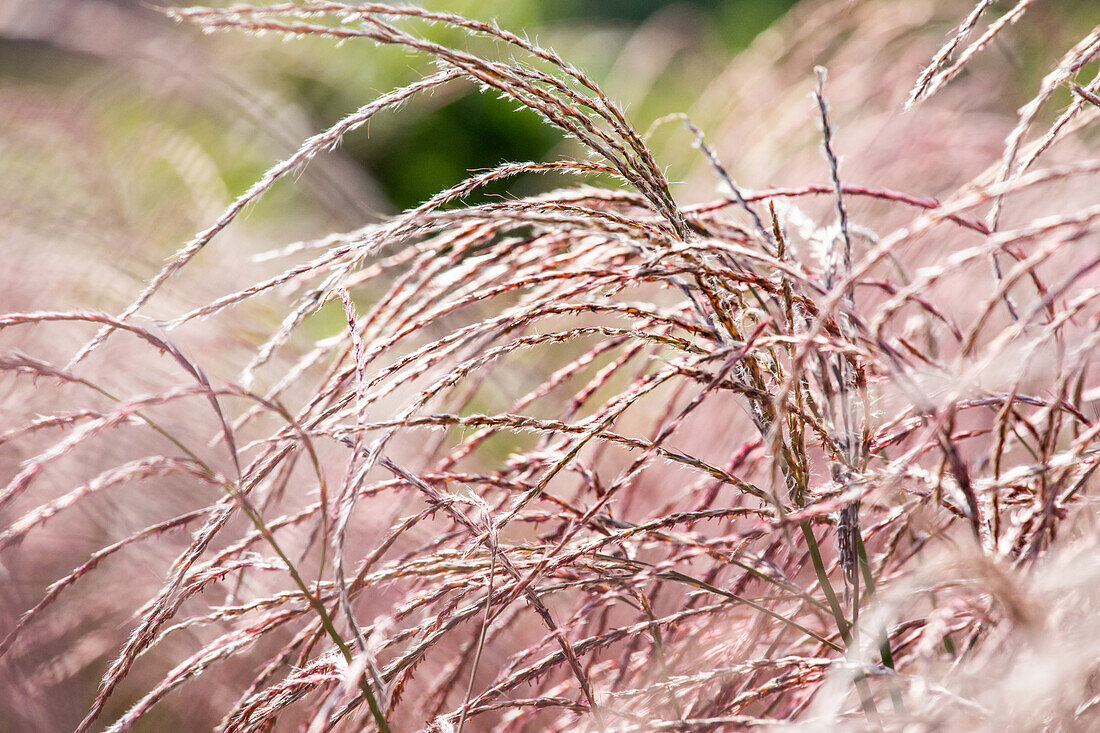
(599, 458)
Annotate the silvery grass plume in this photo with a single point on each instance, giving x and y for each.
(596, 458)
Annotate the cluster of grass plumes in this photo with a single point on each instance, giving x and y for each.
(595, 457)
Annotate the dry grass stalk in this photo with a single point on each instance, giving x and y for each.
(691, 399)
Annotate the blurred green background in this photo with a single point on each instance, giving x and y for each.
(243, 101)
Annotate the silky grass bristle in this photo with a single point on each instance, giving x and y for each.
(595, 458)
